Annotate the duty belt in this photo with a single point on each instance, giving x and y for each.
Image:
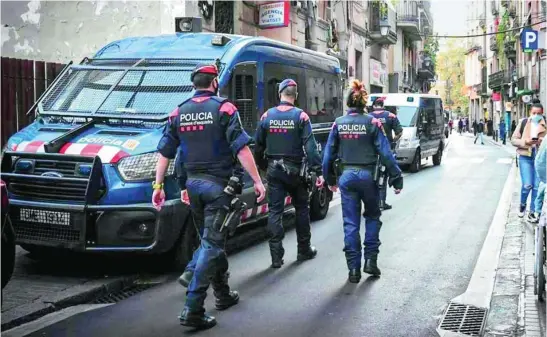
(358, 167)
(204, 176)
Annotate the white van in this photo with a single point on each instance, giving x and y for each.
(422, 119)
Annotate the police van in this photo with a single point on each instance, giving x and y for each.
(423, 122)
(80, 176)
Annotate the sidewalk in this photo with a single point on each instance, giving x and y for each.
(514, 309)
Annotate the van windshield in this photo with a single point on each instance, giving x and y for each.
(140, 91)
(407, 115)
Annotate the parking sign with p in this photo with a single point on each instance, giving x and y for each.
(529, 40)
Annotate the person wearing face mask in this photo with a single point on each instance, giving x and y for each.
(527, 137)
(207, 131)
(357, 140)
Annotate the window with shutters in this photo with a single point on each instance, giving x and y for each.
(244, 99)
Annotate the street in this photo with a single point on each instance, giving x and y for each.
(430, 242)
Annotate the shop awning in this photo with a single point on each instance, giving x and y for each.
(523, 92)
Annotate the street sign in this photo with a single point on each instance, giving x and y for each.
(529, 39)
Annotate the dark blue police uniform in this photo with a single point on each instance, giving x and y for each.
(208, 131)
(284, 135)
(391, 124)
(356, 140)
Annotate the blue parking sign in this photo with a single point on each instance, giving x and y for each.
(529, 39)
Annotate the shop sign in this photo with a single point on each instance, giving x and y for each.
(274, 14)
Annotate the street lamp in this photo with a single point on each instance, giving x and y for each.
(384, 28)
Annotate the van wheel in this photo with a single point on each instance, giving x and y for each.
(416, 162)
(319, 204)
(185, 246)
(438, 156)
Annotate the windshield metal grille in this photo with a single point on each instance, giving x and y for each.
(122, 88)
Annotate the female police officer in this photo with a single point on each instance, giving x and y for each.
(356, 140)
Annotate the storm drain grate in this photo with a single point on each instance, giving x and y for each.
(465, 319)
(122, 294)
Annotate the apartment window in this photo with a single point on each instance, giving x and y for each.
(358, 65)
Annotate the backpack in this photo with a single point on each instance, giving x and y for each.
(523, 125)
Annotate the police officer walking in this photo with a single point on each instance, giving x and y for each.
(356, 140)
(391, 125)
(285, 145)
(209, 133)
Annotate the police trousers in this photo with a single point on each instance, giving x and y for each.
(356, 186)
(210, 260)
(279, 185)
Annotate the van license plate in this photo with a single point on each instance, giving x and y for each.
(41, 216)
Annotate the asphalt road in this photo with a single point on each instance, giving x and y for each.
(430, 243)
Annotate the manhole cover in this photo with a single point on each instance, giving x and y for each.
(122, 294)
(464, 319)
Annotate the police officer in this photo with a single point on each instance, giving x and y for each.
(391, 125)
(356, 140)
(208, 130)
(284, 143)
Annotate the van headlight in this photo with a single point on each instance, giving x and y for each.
(142, 167)
(404, 142)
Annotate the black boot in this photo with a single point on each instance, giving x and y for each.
(186, 278)
(306, 254)
(354, 276)
(371, 267)
(385, 206)
(277, 251)
(198, 320)
(224, 297)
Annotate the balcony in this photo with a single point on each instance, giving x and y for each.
(426, 70)
(493, 43)
(484, 84)
(383, 23)
(505, 3)
(472, 47)
(482, 57)
(500, 78)
(510, 49)
(408, 19)
(512, 10)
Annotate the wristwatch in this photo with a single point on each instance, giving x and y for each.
(157, 186)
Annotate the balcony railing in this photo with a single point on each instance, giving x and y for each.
(482, 21)
(408, 19)
(498, 79)
(493, 43)
(381, 15)
(426, 71)
(505, 3)
(510, 49)
(512, 10)
(495, 9)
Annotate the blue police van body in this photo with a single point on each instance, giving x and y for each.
(79, 177)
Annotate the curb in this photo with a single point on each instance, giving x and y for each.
(481, 285)
(78, 294)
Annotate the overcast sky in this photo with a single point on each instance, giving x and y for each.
(449, 17)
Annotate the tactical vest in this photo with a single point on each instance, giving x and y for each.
(206, 147)
(284, 134)
(356, 141)
(387, 123)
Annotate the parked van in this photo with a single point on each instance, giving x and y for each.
(79, 177)
(423, 123)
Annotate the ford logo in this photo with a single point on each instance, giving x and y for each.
(52, 174)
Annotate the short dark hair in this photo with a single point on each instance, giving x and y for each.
(203, 81)
(290, 91)
(537, 105)
(378, 102)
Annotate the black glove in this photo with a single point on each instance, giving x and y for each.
(396, 182)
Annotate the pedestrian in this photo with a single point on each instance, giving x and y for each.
(460, 126)
(208, 131)
(541, 173)
(450, 125)
(391, 126)
(284, 146)
(357, 140)
(480, 132)
(475, 125)
(513, 127)
(502, 131)
(526, 137)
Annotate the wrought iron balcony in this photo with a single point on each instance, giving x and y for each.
(495, 9)
(482, 21)
(427, 69)
(510, 49)
(500, 78)
(505, 3)
(408, 19)
(383, 24)
(493, 43)
(512, 10)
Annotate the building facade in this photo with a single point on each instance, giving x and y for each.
(375, 41)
